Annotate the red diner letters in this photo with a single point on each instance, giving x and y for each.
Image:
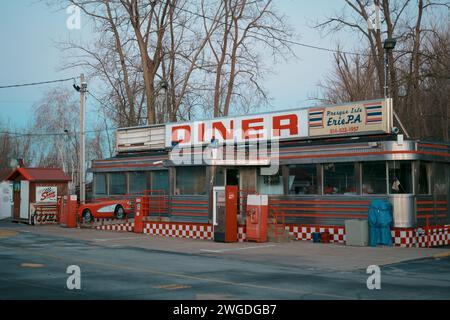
(220, 127)
(187, 133)
(226, 130)
(247, 128)
(292, 125)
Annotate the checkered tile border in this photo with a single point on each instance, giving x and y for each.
(241, 234)
(400, 237)
(301, 232)
(126, 226)
(180, 230)
(103, 220)
(407, 238)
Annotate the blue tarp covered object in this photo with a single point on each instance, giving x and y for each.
(380, 221)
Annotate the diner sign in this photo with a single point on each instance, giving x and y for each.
(350, 119)
(280, 125)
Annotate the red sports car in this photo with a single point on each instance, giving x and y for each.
(105, 209)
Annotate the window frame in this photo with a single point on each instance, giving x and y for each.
(318, 179)
(105, 174)
(152, 174)
(411, 173)
(110, 183)
(386, 178)
(429, 174)
(205, 190)
(129, 184)
(357, 184)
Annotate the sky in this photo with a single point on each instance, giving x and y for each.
(29, 30)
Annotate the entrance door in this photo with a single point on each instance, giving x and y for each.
(16, 200)
(24, 199)
(247, 186)
(218, 204)
(232, 177)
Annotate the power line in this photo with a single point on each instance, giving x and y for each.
(298, 43)
(35, 83)
(52, 133)
(105, 105)
(65, 133)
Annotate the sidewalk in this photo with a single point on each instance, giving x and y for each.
(327, 257)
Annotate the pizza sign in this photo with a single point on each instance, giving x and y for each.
(46, 194)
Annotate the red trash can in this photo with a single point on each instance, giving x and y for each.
(325, 237)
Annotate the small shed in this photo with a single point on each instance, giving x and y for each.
(33, 186)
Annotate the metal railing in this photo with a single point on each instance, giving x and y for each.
(277, 218)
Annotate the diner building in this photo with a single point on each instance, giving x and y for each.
(319, 166)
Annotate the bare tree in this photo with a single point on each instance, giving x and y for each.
(15, 143)
(352, 79)
(409, 22)
(54, 131)
(164, 60)
(246, 28)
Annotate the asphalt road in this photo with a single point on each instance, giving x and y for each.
(33, 266)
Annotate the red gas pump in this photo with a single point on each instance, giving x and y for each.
(256, 222)
(68, 207)
(231, 193)
(138, 216)
(226, 203)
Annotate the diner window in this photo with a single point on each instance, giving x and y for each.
(160, 180)
(423, 186)
(117, 183)
(400, 177)
(270, 184)
(16, 186)
(137, 182)
(100, 183)
(339, 178)
(374, 177)
(441, 178)
(219, 176)
(303, 179)
(191, 180)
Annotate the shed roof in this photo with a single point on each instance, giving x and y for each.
(39, 174)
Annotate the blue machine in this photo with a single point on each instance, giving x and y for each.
(380, 221)
(316, 237)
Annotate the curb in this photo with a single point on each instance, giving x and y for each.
(442, 255)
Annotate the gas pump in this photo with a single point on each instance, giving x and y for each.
(138, 217)
(225, 201)
(257, 212)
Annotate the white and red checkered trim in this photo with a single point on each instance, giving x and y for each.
(126, 226)
(242, 234)
(304, 232)
(180, 230)
(403, 238)
(407, 238)
(104, 220)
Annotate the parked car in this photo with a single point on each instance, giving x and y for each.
(105, 209)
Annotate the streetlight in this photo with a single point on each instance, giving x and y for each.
(388, 45)
(164, 85)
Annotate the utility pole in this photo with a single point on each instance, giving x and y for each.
(82, 177)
